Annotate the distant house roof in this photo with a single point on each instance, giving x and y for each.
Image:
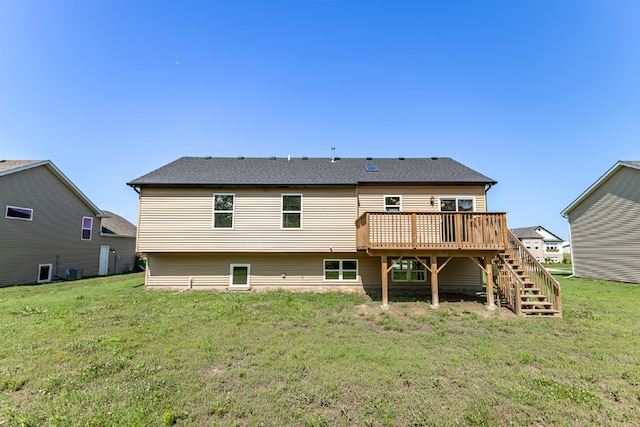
(535, 232)
(633, 164)
(8, 167)
(309, 172)
(113, 224)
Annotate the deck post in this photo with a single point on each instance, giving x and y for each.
(385, 283)
(435, 299)
(488, 269)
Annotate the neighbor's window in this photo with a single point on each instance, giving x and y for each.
(392, 203)
(44, 273)
(291, 211)
(536, 246)
(87, 225)
(240, 276)
(223, 210)
(551, 247)
(456, 205)
(14, 212)
(407, 270)
(341, 269)
(527, 245)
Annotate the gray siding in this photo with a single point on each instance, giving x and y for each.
(54, 235)
(605, 230)
(125, 248)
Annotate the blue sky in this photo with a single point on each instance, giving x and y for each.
(543, 95)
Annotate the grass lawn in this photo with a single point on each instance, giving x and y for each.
(105, 351)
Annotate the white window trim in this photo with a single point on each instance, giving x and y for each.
(50, 273)
(282, 211)
(340, 271)
(6, 213)
(83, 228)
(384, 201)
(233, 212)
(245, 287)
(456, 198)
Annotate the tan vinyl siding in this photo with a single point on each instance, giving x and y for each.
(211, 271)
(460, 275)
(52, 237)
(417, 199)
(302, 272)
(605, 230)
(181, 220)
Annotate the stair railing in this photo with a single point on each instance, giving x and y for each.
(536, 272)
(509, 284)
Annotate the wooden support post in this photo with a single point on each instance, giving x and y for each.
(385, 283)
(488, 269)
(435, 299)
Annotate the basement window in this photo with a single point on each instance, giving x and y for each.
(406, 270)
(44, 273)
(240, 276)
(341, 269)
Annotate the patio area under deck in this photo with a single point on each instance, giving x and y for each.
(479, 236)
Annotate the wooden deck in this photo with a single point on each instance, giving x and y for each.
(432, 231)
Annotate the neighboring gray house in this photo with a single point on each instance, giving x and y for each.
(50, 230)
(604, 226)
(543, 244)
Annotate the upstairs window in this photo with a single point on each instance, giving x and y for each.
(291, 211)
(223, 205)
(392, 203)
(14, 212)
(87, 226)
(456, 205)
(551, 247)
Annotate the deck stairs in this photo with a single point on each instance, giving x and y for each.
(523, 284)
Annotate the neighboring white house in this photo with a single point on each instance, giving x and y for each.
(604, 226)
(543, 244)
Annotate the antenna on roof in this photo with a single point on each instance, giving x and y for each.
(289, 158)
(333, 154)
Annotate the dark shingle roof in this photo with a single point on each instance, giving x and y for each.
(117, 225)
(221, 171)
(533, 233)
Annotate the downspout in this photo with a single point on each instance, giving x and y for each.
(486, 201)
(189, 286)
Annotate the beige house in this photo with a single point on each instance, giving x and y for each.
(604, 226)
(543, 244)
(51, 231)
(379, 225)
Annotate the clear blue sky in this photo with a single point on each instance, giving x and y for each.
(541, 95)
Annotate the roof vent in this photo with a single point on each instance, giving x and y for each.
(305, 158)
(400, 158)
(241, 158)
(369, 158)
(208, 157)
(272, 157)
(434, 158)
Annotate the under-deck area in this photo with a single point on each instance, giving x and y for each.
(482, 237)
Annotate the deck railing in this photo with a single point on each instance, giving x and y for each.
(432, 230)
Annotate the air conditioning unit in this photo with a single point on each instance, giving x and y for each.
(74, 274)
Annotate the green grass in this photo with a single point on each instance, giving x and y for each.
(105, 351)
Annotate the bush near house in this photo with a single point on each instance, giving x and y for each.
(105, 351)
